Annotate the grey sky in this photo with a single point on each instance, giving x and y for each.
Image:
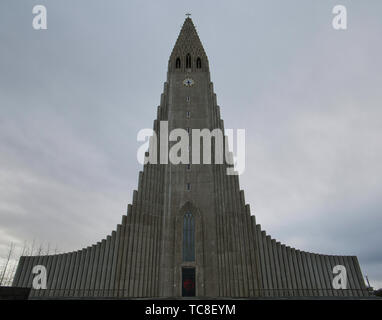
(73, 97)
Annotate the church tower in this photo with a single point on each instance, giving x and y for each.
(203, 210)
(188, 230)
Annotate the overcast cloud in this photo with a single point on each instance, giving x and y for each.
(73, 98)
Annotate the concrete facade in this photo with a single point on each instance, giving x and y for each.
(234, 257)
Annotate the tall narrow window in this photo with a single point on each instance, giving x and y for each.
(177, 63)
(188, 61)
(188, 114)
(198, 63)
(188, 237)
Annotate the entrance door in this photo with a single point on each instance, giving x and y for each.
(188, 282)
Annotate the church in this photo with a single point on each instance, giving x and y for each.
(188, 231)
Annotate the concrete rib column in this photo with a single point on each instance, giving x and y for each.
(145, 247)
(148, 288)
(130, 242)
(329, 268)
(81, 265)
(34, 259)
(316, 274)
(113, 283)
(24, 274)
(146, 292)
(85, 272)
(66, 273)
(276, 267)
(361, 281)
(287, 271)
(326, 277)
(20, 265)
(50, 274)
(352, 277)
(244, 290)
(126, 245)
(296, 272)
(152, 231)
(154, 279)
(158, 234)
(238, 280)
(252, 261)
(268, 271)
(121, 258)
(224, 241)
(239, 231)
(45, 293)
(111, 264)
(238, 277)
(151, 270)
(255, 258)
(140, 269)
(228, 244)
(95, 267)
(59, 291)
(157, 253)
(23, 262)
(247, 286)
(301, 274)
(272, 267)
(71, 274)
(320, 274)
(263, 273)
(57, 265)
(309, 282)
(137, 231)
(220, 235)
(101, 269)
(90, 271)
(313, 274)
(291, 274)
(283, 270)
(271, 283)
(106, 261)
(28, 272)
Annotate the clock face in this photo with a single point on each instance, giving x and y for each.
(188, 82)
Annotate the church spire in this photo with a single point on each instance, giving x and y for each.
(188, 45)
